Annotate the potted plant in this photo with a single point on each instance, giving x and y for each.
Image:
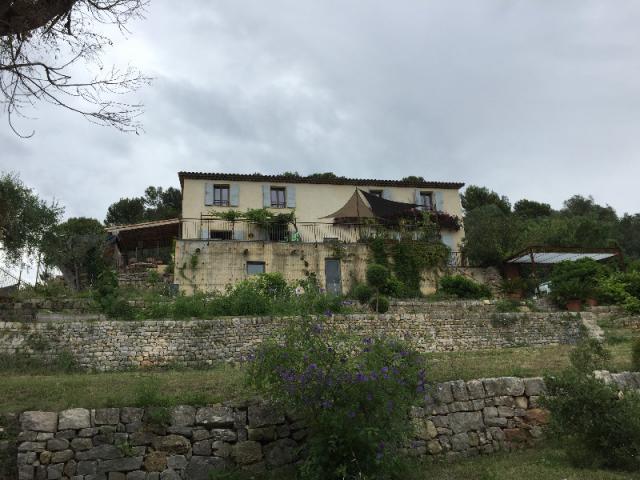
(574, 282)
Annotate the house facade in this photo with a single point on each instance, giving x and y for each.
(224, 250)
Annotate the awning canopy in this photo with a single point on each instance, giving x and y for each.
(550, 255)
(366, 205)
(356, 207)
(148, 234)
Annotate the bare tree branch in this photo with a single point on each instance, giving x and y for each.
(42, 45)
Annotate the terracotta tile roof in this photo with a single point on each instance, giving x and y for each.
(256, 177)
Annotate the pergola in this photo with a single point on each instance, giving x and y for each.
(149, 236)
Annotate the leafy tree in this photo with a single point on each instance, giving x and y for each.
(475, 197)
(76, 248)
(125, 211)
(42, 44)
(413, 179)
(490, 235)
(324, 176)
(161, 204)
(579, 206)
(629, 234)
(24, 218)
(157, 204)
(531, 209)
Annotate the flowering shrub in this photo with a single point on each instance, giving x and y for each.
(354, 394)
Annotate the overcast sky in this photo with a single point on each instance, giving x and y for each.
(537, 99)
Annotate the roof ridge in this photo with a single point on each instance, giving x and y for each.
(338, 180)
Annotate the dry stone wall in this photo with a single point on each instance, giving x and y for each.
(112, 345)
(458, 419)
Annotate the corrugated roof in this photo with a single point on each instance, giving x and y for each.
(142, 225)
(550, 254)
(256, 177)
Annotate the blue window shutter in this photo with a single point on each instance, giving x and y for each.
(266, 195)
(208, 193)
(234, 195)
(291, 196)
(386, 194)
(418, 200)
(238, 235)
(439, 201)
(204, 232)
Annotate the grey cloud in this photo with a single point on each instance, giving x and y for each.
(535, 99)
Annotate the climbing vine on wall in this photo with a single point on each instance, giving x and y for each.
(412, 251)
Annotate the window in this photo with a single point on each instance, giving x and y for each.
(377, 193)
(278, 197)
(255, 268)
(220, 235)
(426, 200)
(221, 195)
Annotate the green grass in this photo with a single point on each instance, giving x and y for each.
(531, 464)
(95, 390)
(521, 361)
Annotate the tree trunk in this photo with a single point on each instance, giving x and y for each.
(19, 17)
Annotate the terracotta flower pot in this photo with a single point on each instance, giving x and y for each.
(592, 302)
(574, 305)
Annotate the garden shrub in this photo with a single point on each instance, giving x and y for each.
(395, 288)
(354, 395)
(635, 355)
(363, 293)
(505, 306)
(110, 298)
(189, 306)
(377, 276)
(597, 425)
(575, 280)
(379, 304)
(245, 298)
(620, 288)
(272, 285)
(463, 287)
(589, 355)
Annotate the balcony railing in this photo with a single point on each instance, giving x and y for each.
(214, 229)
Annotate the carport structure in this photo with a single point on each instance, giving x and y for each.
(545, 256)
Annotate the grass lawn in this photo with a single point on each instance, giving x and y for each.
(60, 391)
(531, 464)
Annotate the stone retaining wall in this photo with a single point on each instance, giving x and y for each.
(458, 419)
(113, 345)
(29, 310)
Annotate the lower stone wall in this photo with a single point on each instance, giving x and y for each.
(113, 345)
(459, 419)
(29, 310)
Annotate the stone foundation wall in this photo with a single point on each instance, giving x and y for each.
(458, 419)
(112, 345)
